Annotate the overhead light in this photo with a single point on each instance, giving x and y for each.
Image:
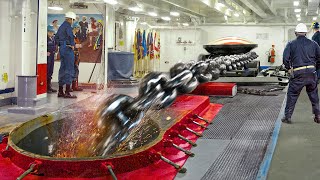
(174, 13)
(153, 14)
(314, 18)
(296, 3)
(166, 18)
(297, 10)
(112, 2)
(56, 8)
(298, 15)
(144, 23)
(220, 5)
(236, 14)
(185, 24)
(299, 19)
(228, 10)
(135, 9)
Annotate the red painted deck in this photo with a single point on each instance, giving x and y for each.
(158, 170)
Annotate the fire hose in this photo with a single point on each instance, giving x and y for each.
(119, 114)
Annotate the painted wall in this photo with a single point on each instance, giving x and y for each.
(6, 34)
(264, 36)
(6, 62)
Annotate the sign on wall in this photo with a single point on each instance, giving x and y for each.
(90, 35)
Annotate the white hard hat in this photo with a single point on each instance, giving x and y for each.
(301, 28)
(71, 15)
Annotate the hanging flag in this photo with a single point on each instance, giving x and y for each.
(148, 45)
(134, 48)
(157, 47)
(144, 44)
(139, 44)
(151, 46)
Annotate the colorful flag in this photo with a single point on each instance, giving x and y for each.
(151, 46)
(148, 45)
(157, 47)
(139, 44)
(134, 48)
(144, 44)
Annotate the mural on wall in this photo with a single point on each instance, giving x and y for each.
(90, 35)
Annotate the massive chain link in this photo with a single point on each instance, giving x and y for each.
(117, 116)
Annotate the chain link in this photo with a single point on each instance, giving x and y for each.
(158, 91)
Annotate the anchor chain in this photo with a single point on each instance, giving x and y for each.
(156, 91)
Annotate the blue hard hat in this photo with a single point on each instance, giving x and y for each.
(50, 29)
(316, 25)
(76, 25)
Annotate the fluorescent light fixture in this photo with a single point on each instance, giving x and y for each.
(314, 18)
(112, 2)
(135, 9)
(144, 23)
(297, 10)
(56, 8)
(296, 3)
(153, 14)
(220, 5)
(236, 14)
(299, 19)
(174, 13)
(185, 24)
(298, 15)
(166, 18)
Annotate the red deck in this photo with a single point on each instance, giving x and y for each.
(158, 170)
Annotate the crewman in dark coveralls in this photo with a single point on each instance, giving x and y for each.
(316, 38)
(51, 50)
(300, 57)
(65, 40)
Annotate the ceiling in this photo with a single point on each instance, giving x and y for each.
(219, 11)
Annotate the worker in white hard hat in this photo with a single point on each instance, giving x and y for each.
(65, 40)
(302, 58)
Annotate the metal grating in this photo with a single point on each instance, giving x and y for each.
(227, 122)
(248, 121)
(222, 100)
(255, 130)
(265, 113)
(240, 160)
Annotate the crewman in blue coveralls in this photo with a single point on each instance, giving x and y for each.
(76, 29)
(51, 50)
(65, 40)
(301, 57)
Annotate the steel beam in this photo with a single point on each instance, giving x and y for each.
(210, 4)
(270, 6)
(255, 8)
